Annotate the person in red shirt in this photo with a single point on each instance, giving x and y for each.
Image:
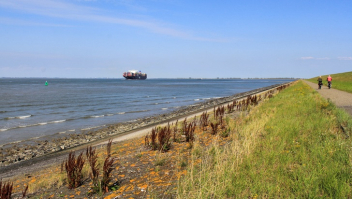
(329, 79)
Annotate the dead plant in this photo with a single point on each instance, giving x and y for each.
(108, 148)
(92, 158)
(24, 192)
(175, 131)
(214, 127)
(73, 168)
(5, 190)
(204, 120)
(107, 169)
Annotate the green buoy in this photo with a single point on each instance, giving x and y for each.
(46, 83)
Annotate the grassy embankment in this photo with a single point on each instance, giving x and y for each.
(289, 147)
(341, 81)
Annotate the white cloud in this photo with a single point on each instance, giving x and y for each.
(306, 58)
(65, 10)
(344, 58)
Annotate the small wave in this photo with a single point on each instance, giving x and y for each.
(22, 126)
(95, 116)
(121, 113)
(72, 130)
(58, 121)
(62, 132)
(206, 98)
(43, 123)
(3, 111)
(3, 129)
(109, 114)
(23, 117)
(9, 118)
(34, 138)
(163, 108)
(156, 103)
(196, 99)
(86, 129)
(138, 111)
(174, 97)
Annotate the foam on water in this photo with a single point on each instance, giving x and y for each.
(23, 117)
(96, 116)
(58, 121)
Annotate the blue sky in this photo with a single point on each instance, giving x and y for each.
(175, 38)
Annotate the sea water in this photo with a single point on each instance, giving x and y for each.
(31, 110)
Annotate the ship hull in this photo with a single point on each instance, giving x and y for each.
(136, 78)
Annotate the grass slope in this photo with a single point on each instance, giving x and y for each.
(289, 147)
(341, 81)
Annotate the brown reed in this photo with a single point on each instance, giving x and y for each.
(108, 148)
(5, 190)
(214, 127)
(175, 131)
(204, 120)
(107, 169)
(92, 158)
(73, 168)
(24, 192)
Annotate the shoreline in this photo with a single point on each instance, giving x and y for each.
(13, 163)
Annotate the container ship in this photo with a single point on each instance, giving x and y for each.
(135, 74)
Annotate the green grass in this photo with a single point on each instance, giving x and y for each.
(289, 147)
(341, 81)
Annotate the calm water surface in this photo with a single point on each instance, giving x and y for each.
(31, 110)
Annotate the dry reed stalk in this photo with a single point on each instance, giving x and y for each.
(214, 127)
(73, 168)
(107, 169)
(5, 190)
(189, 132)
(204, 120)
(24, 192)
(108, 148)
(146, 140)
(164, 135)
(153, 138)
(92, 160)
(175, 131)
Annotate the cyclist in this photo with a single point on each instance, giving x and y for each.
(320, 81)
(329, 79)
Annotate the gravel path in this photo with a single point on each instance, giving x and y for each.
(341, 99)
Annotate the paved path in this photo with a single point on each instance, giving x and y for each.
(342, 99)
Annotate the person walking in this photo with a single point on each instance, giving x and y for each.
(320, 82)
(329, 79)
